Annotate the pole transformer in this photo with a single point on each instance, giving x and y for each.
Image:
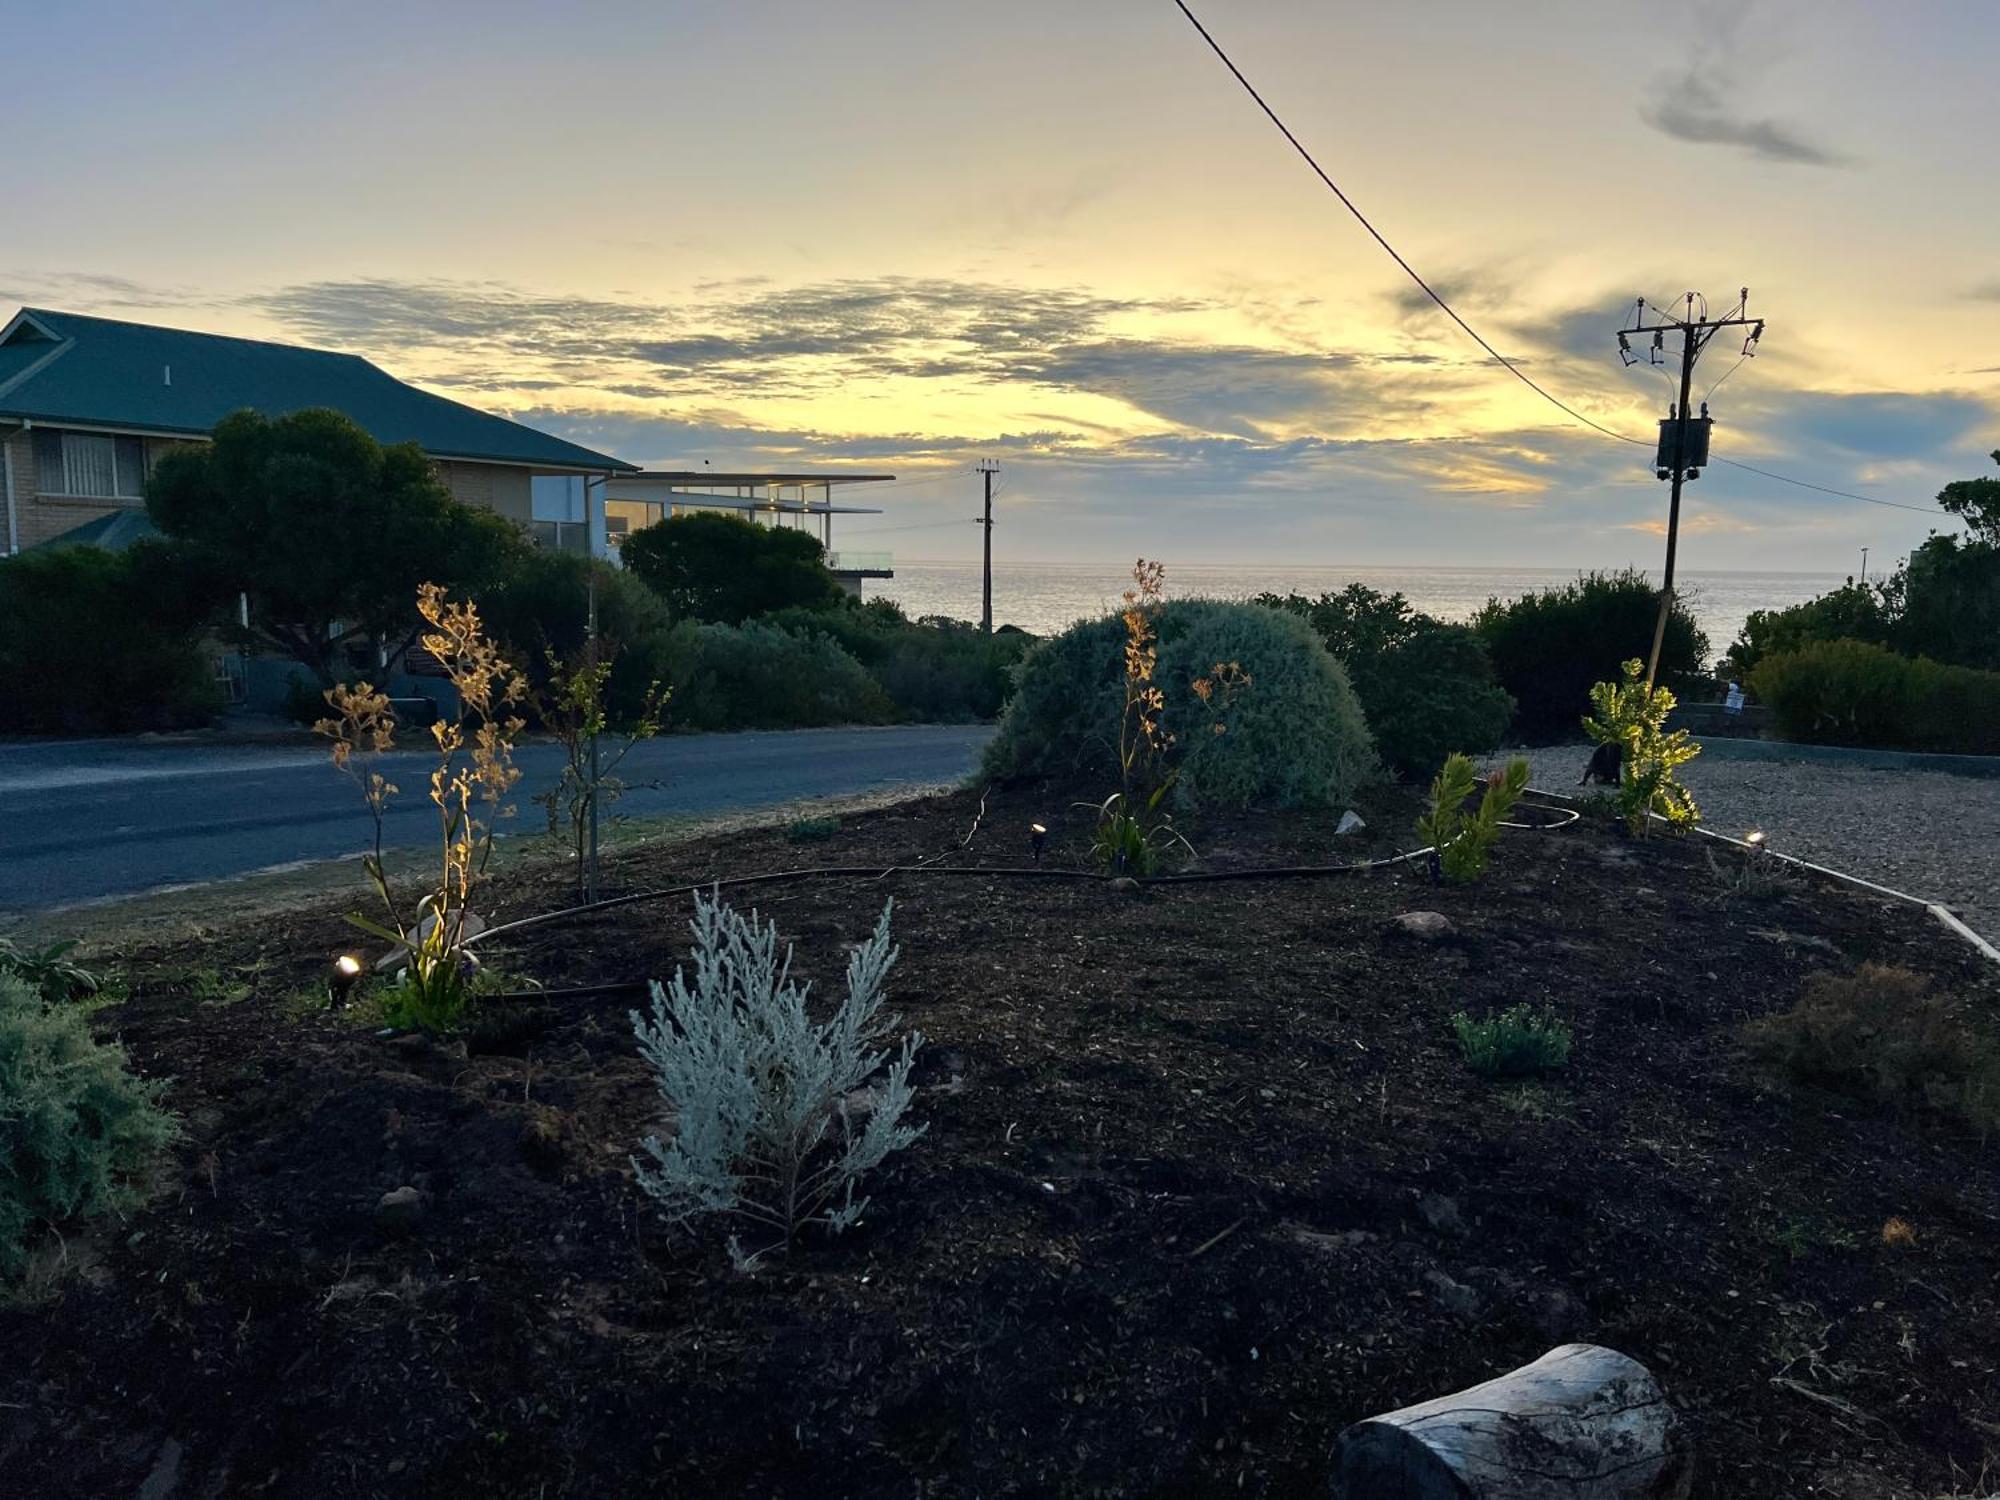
(987, 469)
(1683, 450)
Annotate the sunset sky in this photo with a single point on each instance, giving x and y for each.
(906, 234)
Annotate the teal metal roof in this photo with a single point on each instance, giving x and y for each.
(114, 533)
(134, 375)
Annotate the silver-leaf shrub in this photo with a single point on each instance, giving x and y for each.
(760, 1092)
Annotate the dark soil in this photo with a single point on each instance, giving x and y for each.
(1205, 1180)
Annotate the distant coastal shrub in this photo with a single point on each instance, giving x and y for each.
(760, 676)
(1854, 693)
(1297, 738)
(1512, 1043)
(1549, 648)
(542, 606)
(1854, 611)
(75, 1126)
(709, 565)
(96, 642)
(1426, 687)
(764, 1099)
(934, 669)
(1880, 1034)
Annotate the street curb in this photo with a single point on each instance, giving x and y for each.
(1722, 747)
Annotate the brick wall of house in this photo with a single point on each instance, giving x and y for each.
(43, 517)
(494, 487)
(19, 451)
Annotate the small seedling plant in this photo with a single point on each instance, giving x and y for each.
(764, 1099)
(1462, 841)
(572, 709)
(1632, 714)
(1134, 829)
(1517, 1042)
(471, 776)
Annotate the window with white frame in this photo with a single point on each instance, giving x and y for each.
(90, 466)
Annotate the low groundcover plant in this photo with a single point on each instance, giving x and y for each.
(764, 1099)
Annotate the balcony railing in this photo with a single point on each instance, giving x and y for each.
(883, 563)
(561, 536)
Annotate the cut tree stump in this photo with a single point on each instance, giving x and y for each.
(1580, 1423)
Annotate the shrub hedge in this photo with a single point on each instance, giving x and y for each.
(1426, 687)
(95, 642)
(1854, 693)
(1550, 648)
(760, 676)
(1296, 733)
(935, 668)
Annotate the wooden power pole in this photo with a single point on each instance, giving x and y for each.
(1683, 450)
(987, 469)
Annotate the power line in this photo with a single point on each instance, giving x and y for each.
(1471, 332)
(1375, 234)
(1922, 510)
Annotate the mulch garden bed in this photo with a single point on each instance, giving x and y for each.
(1205, 1180)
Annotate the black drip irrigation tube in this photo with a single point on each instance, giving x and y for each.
(1564, 817)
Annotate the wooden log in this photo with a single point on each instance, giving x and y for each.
(1580, 1423)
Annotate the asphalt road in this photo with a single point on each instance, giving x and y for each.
(85, 820)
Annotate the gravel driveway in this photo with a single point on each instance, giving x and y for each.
(1924, 832)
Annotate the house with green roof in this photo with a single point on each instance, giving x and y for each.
(88, 404)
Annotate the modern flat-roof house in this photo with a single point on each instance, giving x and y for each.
(800, 500)
(87, 405)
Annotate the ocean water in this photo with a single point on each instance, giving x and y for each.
(1044, 598)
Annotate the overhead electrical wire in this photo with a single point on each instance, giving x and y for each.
(1471, 332)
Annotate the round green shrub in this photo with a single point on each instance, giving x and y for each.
(757, 676)
(75, 1125)
(1296, 734)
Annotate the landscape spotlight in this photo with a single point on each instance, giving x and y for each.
(1754, 838)
(1038, 838)
(346, 974)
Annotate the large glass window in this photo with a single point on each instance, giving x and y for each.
(90, 466)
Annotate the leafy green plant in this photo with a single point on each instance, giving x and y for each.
(49, 971)
(811, 830)
(1513, 1043)
(1633, 716)
(1461, 840)
(75, 1125)
(474, 768)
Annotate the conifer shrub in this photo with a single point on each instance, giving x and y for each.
(770, 1123)
(1512, 1043)
(1297, 738)
(75, 1126)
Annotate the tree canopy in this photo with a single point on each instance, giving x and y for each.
(326, 531)
(1976, 502)
(721, 568)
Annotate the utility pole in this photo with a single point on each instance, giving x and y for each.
(1683, 449)
(1864, 564)
(987, 469)
(590, 863)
